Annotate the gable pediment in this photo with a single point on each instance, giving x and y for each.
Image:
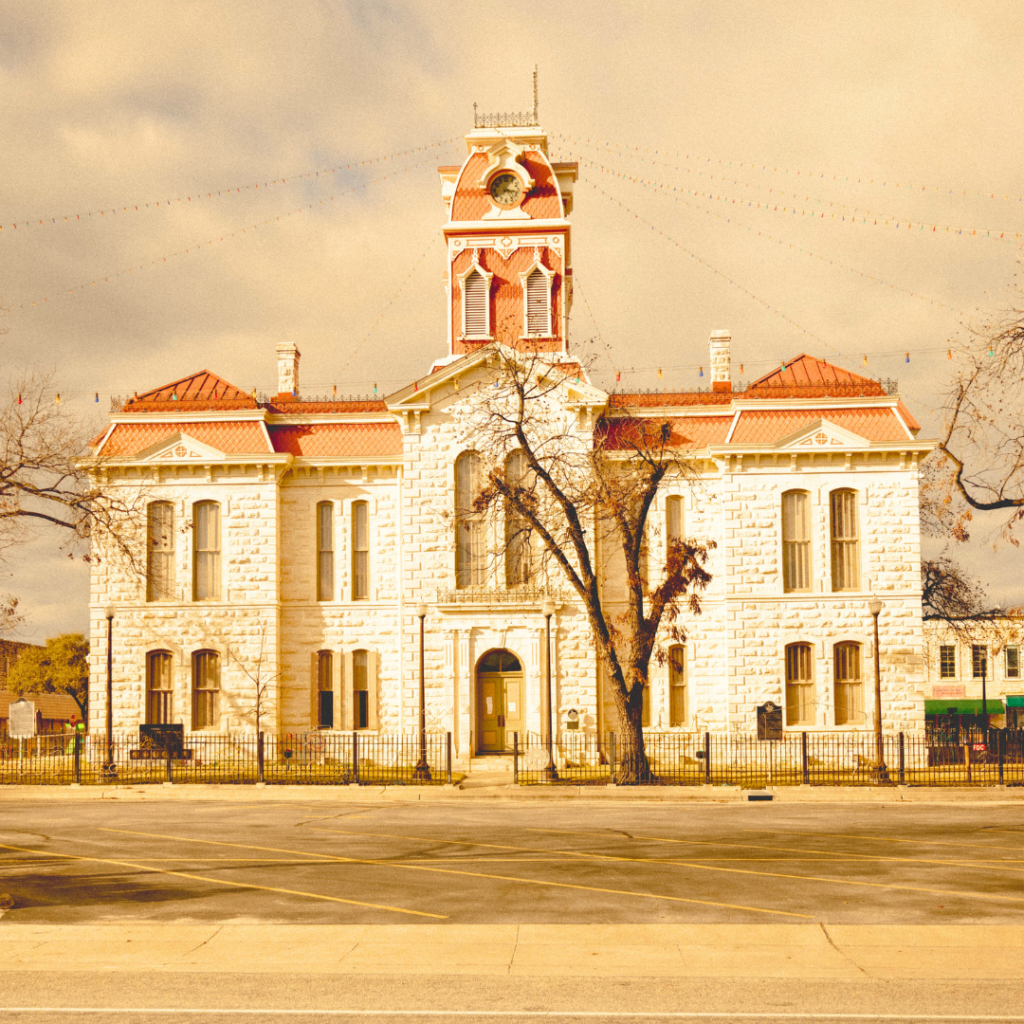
(179, 447)
(823, 434)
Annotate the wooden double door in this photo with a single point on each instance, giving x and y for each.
(499, 702)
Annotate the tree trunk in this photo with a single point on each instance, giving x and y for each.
(634, 768)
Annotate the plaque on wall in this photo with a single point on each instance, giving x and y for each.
(769, 721)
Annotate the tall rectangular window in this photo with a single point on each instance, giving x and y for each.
(325, 689)
(673, 520)
(1013, 663)
(470, 526)
(360, 551)
(158, 688)
(947, 661)
(845, 541)
(979, 661)
(360, 689)
(677, 711)
(205, 689)
(518, 537)
(160, 551)
(849, 685)
(796, 541)
(206, 551)
(325, 551)
(799, 685)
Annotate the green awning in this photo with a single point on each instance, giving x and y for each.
(1015, 700)
(961, 706)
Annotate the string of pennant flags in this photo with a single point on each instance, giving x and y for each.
(50, 220)
(844, 213)
(577, 289)
(205, 244)
(666, 191)
(695, 161)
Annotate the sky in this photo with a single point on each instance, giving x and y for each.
(213, 178)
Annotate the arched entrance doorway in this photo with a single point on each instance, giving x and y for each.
(499, 701)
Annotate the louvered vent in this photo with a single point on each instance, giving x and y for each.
(476, 306)
(538, 305)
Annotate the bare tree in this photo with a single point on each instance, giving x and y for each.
(982, 446)
(951, 596)
(262, 678)
(572, 490)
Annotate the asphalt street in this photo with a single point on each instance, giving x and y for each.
(495, 912)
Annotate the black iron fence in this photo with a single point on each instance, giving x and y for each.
(297, 758)
(992, 757)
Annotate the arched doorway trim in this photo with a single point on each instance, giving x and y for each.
(499, 701)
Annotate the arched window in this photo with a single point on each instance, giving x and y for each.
(360, 689)
(325, 689)
(518, 535)
(206, 551)
(159, 690)
(325, 551)
(205, 690)
(470, 535)
(160, 551)
(799, 685)
(678, 709)
(476, 312)
(845, 541)
(849, 685)
(796, 541)
(537, 310)
(360, 551)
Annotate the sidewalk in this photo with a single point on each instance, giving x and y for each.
(498, 787)
(813, 951)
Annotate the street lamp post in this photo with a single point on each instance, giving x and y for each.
(875, 607)
(110, 766)
(548, 610)
(422, 769)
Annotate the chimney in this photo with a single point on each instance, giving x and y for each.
(288, 356)
(721, 361)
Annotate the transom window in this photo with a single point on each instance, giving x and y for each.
(796, 541)
(799, 685)
(947, 661)
(845, 541)
(499, 661)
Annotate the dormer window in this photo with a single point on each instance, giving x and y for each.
(537, 301)
(476, 302)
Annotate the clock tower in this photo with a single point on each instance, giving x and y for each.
(508, 277)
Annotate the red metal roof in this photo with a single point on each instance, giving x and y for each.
(232, 438)
(49, 706)
(808, 372)
(686, 431)
(768, 426)
(313, 440)
(202, 390)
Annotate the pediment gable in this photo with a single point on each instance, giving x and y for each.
(823, 434)
(179, 447)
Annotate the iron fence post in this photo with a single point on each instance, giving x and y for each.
(611, 756)
(448, 757)
(168, 763)
(355, 757)
(78, 760)
(1001, 744)
(515, 759)
(805, 775)
(259, 756)
(903, 761)
(707, 759)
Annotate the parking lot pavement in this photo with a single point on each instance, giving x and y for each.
(597, 908)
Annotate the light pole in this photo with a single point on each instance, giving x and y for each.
(422, 770)
(549, 610)
(875, 607)
(110, 767)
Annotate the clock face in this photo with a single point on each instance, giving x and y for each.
(506, 189)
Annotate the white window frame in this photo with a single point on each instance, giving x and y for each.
(549, 276)
(475, 268)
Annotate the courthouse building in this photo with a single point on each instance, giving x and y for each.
(299, 541)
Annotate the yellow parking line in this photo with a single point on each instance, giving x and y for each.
(470, 874)
(889, 839)
(702, 867)
(222, 881)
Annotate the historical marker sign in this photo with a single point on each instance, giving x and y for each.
(21, 725)
(769, 721)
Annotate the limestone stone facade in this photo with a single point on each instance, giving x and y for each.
(296, 544)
